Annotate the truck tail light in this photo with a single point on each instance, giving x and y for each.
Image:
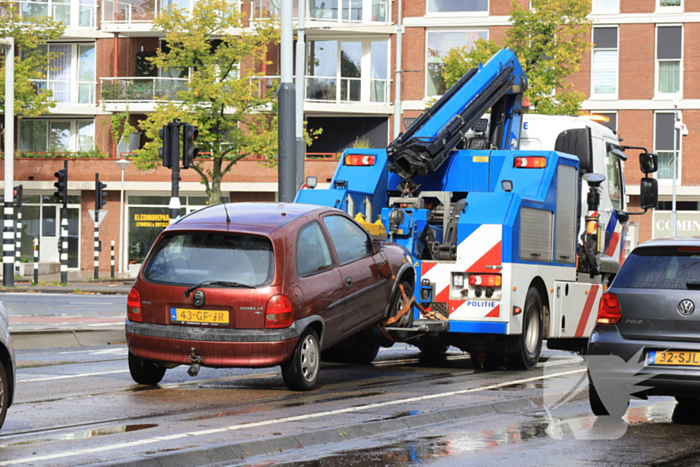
(485, 280)
(531, 162)
(359, 159)
(609, 309)
(279, 313)
(133, 306)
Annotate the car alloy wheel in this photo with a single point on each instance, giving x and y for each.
(309, 358)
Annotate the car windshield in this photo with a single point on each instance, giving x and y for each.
(192, 257)
(660, 268)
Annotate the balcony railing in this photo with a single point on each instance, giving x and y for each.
(70, 92)
(147, 89)
(340, 11)
(130, 11)
(345, 90)
(265, 84)
(71, 14)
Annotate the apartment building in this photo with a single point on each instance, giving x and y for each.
(641, 63)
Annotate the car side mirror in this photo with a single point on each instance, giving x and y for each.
(377, 245)
(649, 192)
(648, 162)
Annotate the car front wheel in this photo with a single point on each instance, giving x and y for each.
(144, 371)
(300, 372)
(4, 394)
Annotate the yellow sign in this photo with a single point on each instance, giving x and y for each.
(152, 220)
(199, 316)
(481, 158)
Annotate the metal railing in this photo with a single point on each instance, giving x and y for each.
(130, 11)
(341, 11)
(265, 84)
(67, 92)
(72, 15)
(146, 89)
(343, 90)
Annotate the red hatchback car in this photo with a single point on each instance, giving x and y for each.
(258, 285)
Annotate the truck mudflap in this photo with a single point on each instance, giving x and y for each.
(431, 322)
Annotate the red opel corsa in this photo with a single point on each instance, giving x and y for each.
(258, 285)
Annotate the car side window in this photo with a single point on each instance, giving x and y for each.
(349, 240)
(313, 254)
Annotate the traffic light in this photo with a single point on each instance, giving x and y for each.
(189, 150)
(18, 197)
(99, 193)
(61, 185)
(165, 151)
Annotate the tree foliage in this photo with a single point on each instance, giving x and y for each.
(223, 98)
(550, 40)
(30, 35)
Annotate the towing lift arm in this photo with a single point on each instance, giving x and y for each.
(499, 85)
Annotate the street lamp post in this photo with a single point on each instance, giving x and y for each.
(122, 164)
(8, 227)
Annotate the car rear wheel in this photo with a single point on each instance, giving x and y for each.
(597, 406)
(144, 371)
(300, 372)
(4, 394)
(528, 345)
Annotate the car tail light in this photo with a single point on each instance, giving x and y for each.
(609, 309)
(359, 159)
(485, 280)
(278, 313)
(531, 162)
(133, 306)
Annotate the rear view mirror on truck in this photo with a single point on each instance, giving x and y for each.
(648, 192)
(648, 162)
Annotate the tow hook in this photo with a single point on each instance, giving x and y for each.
(195, 362)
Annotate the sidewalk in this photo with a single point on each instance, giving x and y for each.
(35, 332)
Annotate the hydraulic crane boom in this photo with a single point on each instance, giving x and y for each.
(498, 85)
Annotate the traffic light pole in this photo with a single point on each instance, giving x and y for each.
(8, 234)
(64, 231)
(18, 230)
(174, 206)
(96, 245)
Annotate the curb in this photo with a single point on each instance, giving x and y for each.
(50, 339)
(226, 454)
(118, 290)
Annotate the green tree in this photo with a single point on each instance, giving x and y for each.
(224, 98)
(550, 40)
(31, 32)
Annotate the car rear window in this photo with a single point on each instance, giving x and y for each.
(192, 257)
(661, 268)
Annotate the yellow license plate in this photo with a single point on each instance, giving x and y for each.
(674, 357)
(185, 315)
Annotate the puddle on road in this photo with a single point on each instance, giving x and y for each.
(87, 434)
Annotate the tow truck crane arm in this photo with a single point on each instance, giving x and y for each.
(499, 85)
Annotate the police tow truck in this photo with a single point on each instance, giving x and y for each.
(515, 223)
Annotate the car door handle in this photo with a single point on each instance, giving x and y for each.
(348, 281)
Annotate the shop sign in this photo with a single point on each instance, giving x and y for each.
(151, 220)
(687, 224)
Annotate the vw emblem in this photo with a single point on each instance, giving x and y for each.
(199, 298)
(686, 307)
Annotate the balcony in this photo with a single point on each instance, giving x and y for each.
(74, 14)
(138, 94)
(331, 11)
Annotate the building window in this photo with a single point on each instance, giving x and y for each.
(37, 135)
(439, 43)
(355, 11)
(457, 6)
(664, 4)
(71, 75)
(605, 63)
(606, 6)
(348, 71)
(75, 13)
(669, 54)
(609, 120)
(664, 147)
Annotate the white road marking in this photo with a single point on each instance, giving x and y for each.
(52, 378)
(142, 442)
(91, 303)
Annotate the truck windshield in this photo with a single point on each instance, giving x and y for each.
(192, 257)
(660, 268)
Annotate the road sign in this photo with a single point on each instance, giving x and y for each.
(101, 213)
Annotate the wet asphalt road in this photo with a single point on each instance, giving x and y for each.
(43, 305)
(80, 406)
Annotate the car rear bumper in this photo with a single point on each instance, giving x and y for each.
(658, 380)
(249, 348)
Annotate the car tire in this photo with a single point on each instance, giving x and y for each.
(300, 372)
(144, 371)
(4, 394)
(597, 406)
(364, 351)
(406, 321)
(527, 348)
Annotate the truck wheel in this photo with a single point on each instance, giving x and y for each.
(300, 372)
(144, 371)
(528, 345)
(406, 321)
